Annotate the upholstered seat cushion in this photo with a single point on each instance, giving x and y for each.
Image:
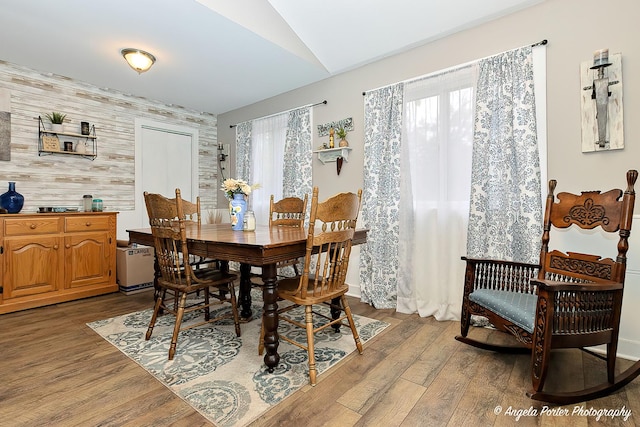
(518, 308)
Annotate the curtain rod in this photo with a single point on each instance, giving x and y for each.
(286, 111)
(455, 67)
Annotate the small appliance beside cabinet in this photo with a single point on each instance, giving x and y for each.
(48, 258)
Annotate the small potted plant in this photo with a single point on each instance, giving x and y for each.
(56, 119)
(342, 134)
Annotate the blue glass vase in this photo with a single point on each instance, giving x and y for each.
(12, 201)
(237, 209)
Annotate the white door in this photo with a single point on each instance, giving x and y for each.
(168, 160)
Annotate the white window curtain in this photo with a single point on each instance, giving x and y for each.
(434, 197)
(267, 154)
(425, 211)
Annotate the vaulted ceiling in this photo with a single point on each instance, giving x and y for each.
(219, 55)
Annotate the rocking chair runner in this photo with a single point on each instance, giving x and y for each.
(570, 300)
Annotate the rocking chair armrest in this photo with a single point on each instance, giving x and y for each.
(557, 286)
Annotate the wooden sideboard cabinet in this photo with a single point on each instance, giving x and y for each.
(48, 258)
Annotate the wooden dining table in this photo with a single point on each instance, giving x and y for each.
(263, 247)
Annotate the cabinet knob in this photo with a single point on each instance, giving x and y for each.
(88, 224)
(67, 246)
(32, 226)
(55, 247)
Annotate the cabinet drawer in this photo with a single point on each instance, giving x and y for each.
(31, 226)
(86, 223)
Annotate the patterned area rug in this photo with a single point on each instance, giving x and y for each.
(221, 375)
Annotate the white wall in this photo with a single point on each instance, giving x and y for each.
(574, 29)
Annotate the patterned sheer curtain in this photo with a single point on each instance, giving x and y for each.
(379, 258)
(434, 192)
(505, 217)
(243, 151)
(298, 155)
(275, 152)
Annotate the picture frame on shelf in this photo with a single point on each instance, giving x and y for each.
(50, 143)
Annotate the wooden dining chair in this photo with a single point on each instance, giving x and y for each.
(178, 279)
(288, 212)
(192, 212)
(331, 228)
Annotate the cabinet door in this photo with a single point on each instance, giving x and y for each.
(2, 260)
(87, 259)
(32, 265)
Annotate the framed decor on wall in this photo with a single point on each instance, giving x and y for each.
(5, 125)
(602, 109)
(346, 124)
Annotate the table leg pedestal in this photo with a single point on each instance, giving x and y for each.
(270, 317)
(244, 297)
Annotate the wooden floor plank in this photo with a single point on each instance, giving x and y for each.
(313, 401)
(632, 398)
(442, 396)
(57, 371)
(436, 352)
(483, 393)
(407, 339)
(393, 405)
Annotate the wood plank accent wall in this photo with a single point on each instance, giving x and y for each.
(58, 180)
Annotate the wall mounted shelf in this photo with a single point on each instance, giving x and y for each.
(49, 142)
(331, 154)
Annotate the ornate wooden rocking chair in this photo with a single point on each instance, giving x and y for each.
(570, 300)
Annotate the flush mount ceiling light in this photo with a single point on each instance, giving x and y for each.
(138, 59)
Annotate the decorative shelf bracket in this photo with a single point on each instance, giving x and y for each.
(331, 154)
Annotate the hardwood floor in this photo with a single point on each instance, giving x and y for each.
(55, 371)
